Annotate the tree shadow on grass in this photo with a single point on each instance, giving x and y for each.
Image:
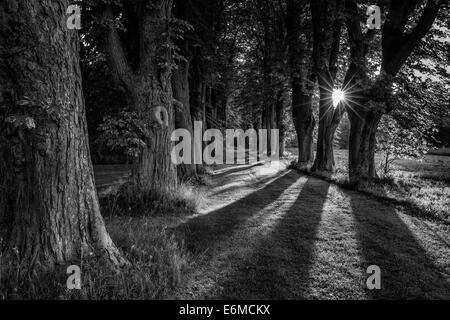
(279, 266)
(254, 182)
(231, 172)
(384, 240)
(200, 233)
(230, 169)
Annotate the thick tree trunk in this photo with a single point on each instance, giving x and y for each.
(154, 168)
(183, 120)
(197, 94)
(151, 91)
(301, 84)
(304, 123)
(328, 124)
(48, 196)
(362, 144)
(327, 21)
(197, 91)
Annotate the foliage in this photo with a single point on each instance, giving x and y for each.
(126, 134)
(396, 142)
(126, 201)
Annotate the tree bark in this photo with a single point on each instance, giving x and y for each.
(280, 117)
(362, 144)
(183, 120)
(301, 81)
(150, 88)
(304, 123)
(327, 25)
(397, 45)
(330, 118)
(48, 195)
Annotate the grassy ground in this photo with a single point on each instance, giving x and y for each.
(137, 224)
(422, 186)
(257, 232)
(271, 234)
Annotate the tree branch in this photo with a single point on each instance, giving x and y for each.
(114, 51)
(397, 47)
(355, 35)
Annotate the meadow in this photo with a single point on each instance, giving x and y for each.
(207, 239)
(422, 186)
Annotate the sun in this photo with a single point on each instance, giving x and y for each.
(338, 96)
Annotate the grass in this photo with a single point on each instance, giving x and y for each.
(286, 236)
(422, 187)
(137, 224)
(298, 237)
(126, 201)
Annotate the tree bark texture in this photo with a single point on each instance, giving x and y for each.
(149, 85)
(48, 197)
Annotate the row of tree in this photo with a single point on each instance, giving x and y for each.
(222, 62)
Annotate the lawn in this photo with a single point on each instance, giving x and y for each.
(421, 186)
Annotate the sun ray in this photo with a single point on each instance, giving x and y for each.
(338, 96)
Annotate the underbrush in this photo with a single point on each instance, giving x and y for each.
(136, 222)
(422, 188)
(130, 201)
(158, 265)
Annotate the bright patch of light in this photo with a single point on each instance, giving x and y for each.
(338, 96)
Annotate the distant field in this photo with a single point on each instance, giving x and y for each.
(422, 185)
(432, 166)
(441, 151)
(109, 176)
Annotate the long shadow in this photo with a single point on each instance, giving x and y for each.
(384, 240)
(279, 267)
(255, 183)
(235, 168)
(228, 173)
(202, 232)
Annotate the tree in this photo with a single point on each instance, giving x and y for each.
(261, 84)
(270, 17)
(180, 81)
(395, 142)
(302, 79)
(141, 61)
(327, 18)
(48, 198)
(406, 23)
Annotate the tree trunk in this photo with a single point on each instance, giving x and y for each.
(269, 121)
(154, 168)
(196, 85)
(330, 118)
(151, 91)
(362, 144)
(183, 120)
(280, 117)
(48, 195)
(327, 21)
(304, 123)
(301, 84)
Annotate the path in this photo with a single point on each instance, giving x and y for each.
(276, 234)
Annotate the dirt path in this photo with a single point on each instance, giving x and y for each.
(275, 234)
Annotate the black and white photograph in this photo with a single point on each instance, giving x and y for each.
(224, 156)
